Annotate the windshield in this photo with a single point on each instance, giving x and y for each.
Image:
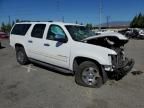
(79, 33)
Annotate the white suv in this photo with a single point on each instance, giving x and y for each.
(72, 48)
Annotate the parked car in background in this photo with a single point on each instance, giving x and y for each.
(125, 32)
(141, 34)
(3, 35)
(103, 31)
(133, 33)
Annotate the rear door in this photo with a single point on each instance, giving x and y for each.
(35, 42)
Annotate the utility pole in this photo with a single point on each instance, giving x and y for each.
(58, 5)
(60, 18)
(58, 9)
(9, 19)
(107, 19)
(100, 13)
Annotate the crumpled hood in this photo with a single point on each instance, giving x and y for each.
(107, 34)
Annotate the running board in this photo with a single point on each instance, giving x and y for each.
(63, 70)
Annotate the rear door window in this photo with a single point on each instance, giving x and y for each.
(20, 29)
(38, 30)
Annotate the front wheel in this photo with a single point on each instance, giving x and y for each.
(88, 75)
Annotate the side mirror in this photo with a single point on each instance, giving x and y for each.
(61, 38)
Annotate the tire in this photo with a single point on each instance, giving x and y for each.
(21, 56)
(88, 75)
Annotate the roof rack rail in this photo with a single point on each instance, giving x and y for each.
(50, 21)
(34, 21)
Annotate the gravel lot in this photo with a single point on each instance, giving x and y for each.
(37, 87)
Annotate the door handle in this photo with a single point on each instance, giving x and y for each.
(46, 44)
(30, 41)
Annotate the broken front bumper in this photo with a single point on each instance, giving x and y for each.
(119, 71)
(126, 66)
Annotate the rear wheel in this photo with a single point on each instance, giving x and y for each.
(88, 75)
(21, 56)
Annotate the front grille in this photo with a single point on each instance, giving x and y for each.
(117, 60)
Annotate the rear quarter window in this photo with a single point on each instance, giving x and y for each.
(20, 29)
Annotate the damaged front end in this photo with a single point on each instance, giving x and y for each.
(121, 65)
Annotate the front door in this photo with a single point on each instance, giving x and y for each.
(56, 47)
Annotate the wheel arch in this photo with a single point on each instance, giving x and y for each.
(79, 59)
(18, 45)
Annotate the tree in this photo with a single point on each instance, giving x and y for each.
(89, 26)
(143, 22)
(133, 22)
(138, 21)
(3, 27)
(17, 20)
(6, 27)
(81, 23)
(13, 23)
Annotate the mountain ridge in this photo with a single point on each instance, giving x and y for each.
(116, 23)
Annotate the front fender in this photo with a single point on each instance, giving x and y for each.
(94, 52)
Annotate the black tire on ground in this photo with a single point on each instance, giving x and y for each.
(88, 75)
(21, 56)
